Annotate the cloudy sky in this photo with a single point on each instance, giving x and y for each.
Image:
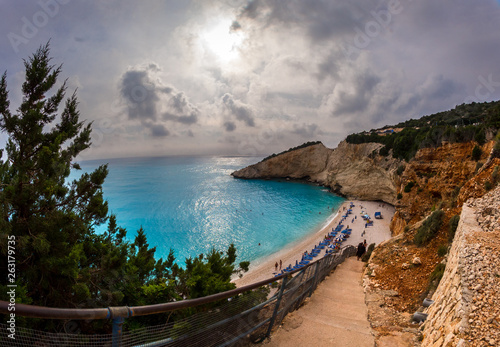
(235, 77)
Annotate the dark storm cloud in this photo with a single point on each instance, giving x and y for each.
(251, 9)
(439, 87)
(140, 94)
(321, 19)
(180, 109)
(229, 126)
(158, 130)
(328, 67)
(152, 103)
(358, 101)
(235, 26)
(191, 119)
(238, 110)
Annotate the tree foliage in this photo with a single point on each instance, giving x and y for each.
(466, 122)
(476, 153)
(60, 260)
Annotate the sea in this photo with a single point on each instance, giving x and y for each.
(193, 204)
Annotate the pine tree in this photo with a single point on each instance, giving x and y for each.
(50, 219)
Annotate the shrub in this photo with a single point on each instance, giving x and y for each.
(488, 185)
(368, 253)
(476, 153)
(442, 250)
(454, 195)
(436, 276)
(453, 224)
(307, 144)
(409, 186)
(400, 196)
(478, 166)
(400, 170)
(494, 174)
(384, 151)
(429, 228)
(440, 205)
(496, 147)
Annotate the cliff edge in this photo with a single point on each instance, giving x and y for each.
(351, 170)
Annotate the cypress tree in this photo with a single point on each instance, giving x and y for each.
(50, 219)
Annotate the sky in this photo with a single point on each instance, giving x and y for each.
(253, 77)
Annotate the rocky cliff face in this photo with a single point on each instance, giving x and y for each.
(307, 163)
(354, 171)
(441, 178)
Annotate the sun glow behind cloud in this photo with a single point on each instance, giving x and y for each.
(222, 42)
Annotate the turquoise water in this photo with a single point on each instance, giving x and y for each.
(191, 204)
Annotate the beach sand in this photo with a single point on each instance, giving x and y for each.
(377, 233)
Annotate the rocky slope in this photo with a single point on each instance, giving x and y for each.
(443, 179)
(350, 170)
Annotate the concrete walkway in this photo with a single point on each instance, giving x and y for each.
(335, 315)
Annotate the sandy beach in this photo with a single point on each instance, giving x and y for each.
(377, 233)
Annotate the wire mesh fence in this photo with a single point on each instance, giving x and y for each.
(245, 318)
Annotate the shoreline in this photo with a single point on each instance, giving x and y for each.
(264, 267)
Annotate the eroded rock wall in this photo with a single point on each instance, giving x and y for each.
(466, 311)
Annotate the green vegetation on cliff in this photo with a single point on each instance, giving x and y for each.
(307, 144)
(464, 123)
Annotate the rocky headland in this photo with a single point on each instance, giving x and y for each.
(350, 170)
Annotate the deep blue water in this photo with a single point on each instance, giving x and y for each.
(191, 204)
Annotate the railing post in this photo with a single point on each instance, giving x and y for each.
(118, 315)
(277, 307)
(117, 331)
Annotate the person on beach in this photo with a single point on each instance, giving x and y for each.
(276, 266)
(361, 249)
(281, 264)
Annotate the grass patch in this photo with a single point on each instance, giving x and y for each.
(442, 250)
(453, 224)
(409, 186)
(368, 253)
(429, 228)
(476, 153)
(436, 276)
(488, 185)
(400, 170)
(494, 174)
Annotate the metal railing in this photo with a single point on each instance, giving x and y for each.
(246, 314)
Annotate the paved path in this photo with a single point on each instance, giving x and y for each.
(335, 315)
